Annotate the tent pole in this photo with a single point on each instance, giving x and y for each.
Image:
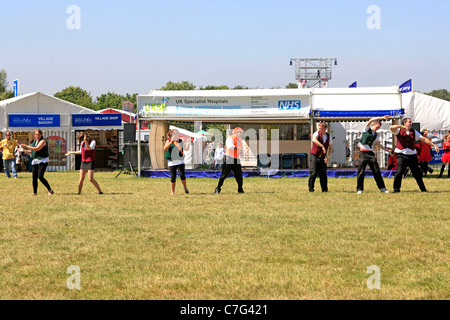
(139, 138)
(312, 115)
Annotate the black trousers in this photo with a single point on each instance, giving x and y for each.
(317, 166)
(369, 158)
(423, 165)
(232, 164)
(173, 172)
(38, 173)
(411, 161)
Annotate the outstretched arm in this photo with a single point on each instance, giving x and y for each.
(369, 124)
(72, 152)
(37, 148)
(377, 143)
(430, 143)
(396, 127)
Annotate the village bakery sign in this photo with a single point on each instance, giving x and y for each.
(34, 120)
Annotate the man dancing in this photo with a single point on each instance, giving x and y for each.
(407, 154)
(322, 146)
(233, 149)
(367, 156)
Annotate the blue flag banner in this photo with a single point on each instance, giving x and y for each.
(406, 87)
(16, 88)
(97, 120)
(354, 85)
(357, 114)
(437, 157)
(34, 120)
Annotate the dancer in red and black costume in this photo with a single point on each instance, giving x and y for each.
(407, 154)
(446, 156)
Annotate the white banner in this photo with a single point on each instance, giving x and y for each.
(224, 107)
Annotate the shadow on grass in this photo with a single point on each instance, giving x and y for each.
(391, 192)
(104, 194)
(227, 193)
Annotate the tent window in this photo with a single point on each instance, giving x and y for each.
(303, 131)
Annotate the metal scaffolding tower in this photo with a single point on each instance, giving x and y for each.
(310, 72)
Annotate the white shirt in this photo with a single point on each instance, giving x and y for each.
(92, 145)
(176, 162)
(407, 151)
(229, 143)
(325, 137)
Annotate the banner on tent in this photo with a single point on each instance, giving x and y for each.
(437, 157)
(154, 106)
(97, 120)
(34, 120)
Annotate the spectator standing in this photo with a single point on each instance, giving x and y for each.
(8, 146)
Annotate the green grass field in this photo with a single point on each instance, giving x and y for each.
(277, 241)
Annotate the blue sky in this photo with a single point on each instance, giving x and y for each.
(135, 46)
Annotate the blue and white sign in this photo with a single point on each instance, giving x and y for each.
(34, 120)
(289, 105)
(16, 87)
(406, 87)
(437, 157)
(96, 120)
(224, 107)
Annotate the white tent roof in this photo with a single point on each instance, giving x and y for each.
(356, 102)
(271, 104)
(229, 93)
(40, 103)
(432, 113)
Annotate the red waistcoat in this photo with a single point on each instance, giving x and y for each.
(87, 155)
(406, 140)
(318, 150)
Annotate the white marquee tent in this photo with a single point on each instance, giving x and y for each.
(40, 104)
(432, 113)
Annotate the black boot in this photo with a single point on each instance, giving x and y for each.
(442, 171)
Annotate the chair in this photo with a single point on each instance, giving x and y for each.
(300, 160)
(286, 162)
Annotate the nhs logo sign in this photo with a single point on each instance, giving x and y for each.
(289, 105)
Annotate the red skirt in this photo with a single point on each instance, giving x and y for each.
(425, 152)
(446, 157)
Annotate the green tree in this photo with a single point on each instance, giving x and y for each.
(6, 95)
(240, 87)
(292, 86)
(78, 96)
(113, 100)
(3, 81)
(173, 86)
(222, 87)
(441, 94)
(109, 100)
(131, 97)
(216, 126)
